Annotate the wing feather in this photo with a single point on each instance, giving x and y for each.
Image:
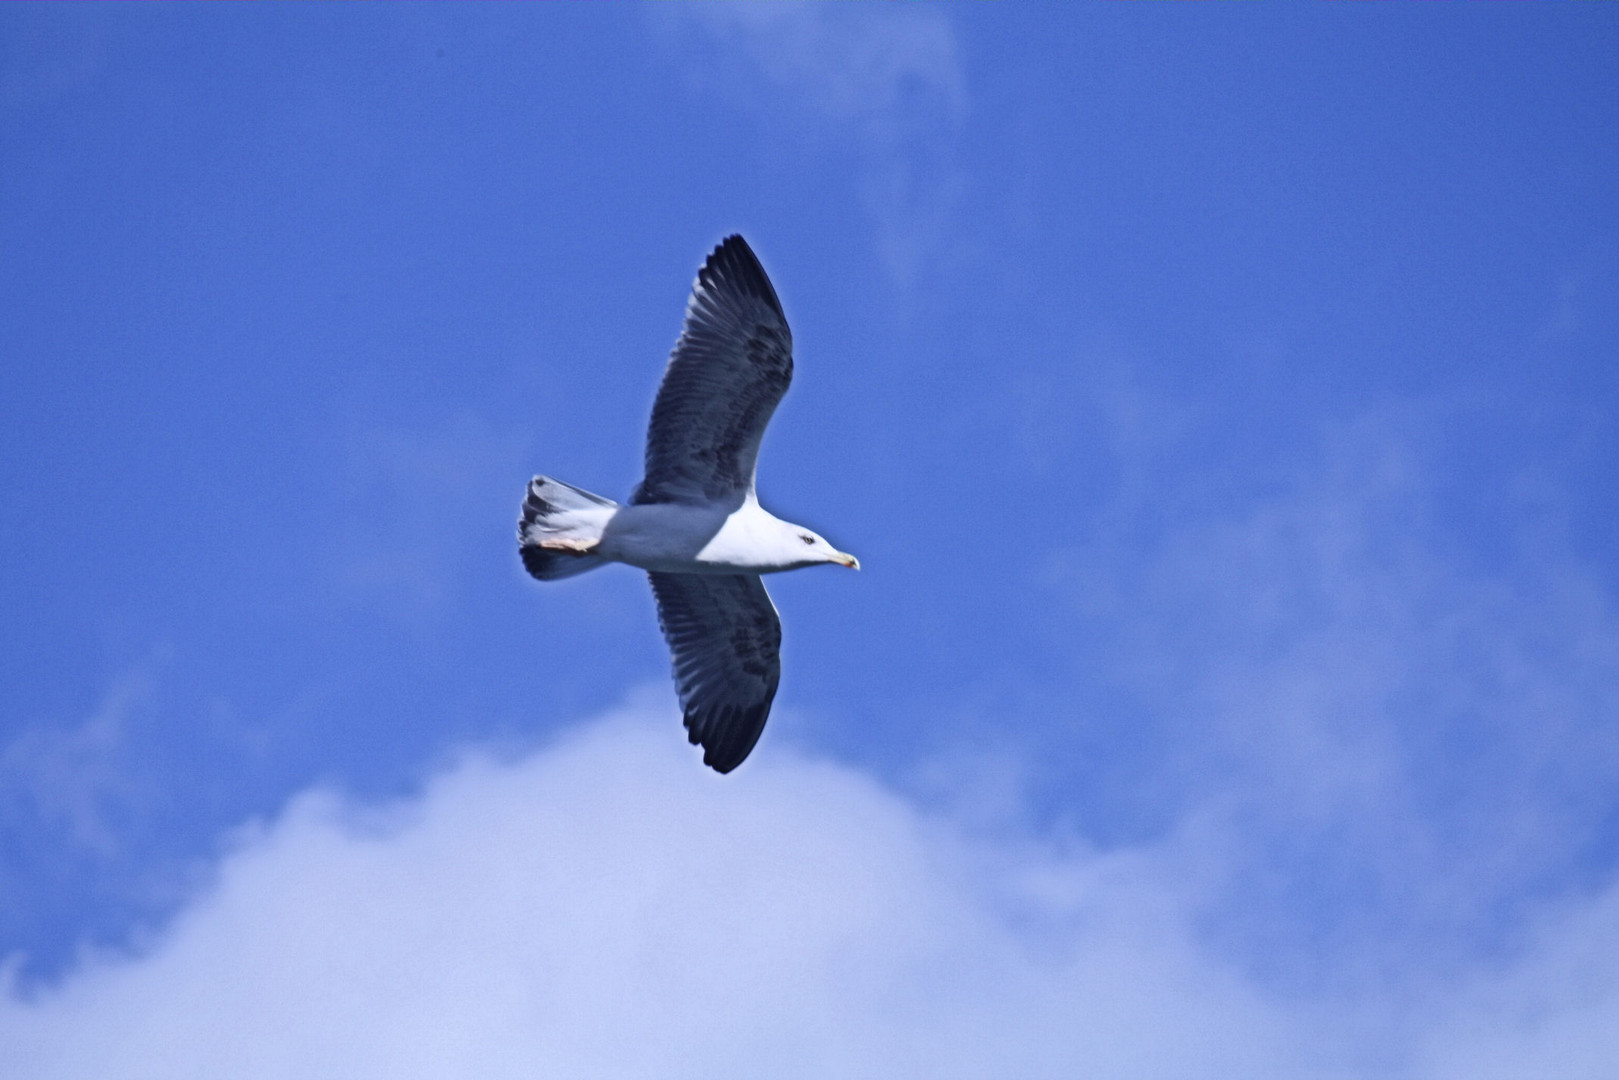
(725, 640)
(728, 371)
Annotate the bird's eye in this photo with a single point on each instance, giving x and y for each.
(807, 539)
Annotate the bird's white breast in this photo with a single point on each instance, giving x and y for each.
(749, 540)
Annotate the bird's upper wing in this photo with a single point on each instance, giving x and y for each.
(726, 643)
(726, 375)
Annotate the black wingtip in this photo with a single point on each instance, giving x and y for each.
(733, 263)
(734, 245)
(728, 737)
(720, 766)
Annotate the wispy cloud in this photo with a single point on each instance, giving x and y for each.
(851, 65)
(604, 908)
(71, 779)
(885, 79)
(1410, 744)
(1553, 1013)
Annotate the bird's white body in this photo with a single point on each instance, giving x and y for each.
(708, 539)
(678, 538)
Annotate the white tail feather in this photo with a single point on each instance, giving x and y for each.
(561, 525)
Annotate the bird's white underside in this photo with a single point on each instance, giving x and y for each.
(689, 538)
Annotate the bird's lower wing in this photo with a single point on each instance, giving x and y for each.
(726, 644)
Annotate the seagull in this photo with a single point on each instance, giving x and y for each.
(694, 523)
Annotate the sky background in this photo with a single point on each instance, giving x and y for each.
(1223, 404)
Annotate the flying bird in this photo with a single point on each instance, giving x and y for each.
(694, 523)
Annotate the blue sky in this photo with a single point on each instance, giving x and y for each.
(1221, 402)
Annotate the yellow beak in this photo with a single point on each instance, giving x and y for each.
(846, 560)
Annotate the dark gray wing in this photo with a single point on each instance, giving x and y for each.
(726, 375)
(726, 642)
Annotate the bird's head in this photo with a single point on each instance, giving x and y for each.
(810, 548)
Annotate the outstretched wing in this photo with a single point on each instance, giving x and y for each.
(726, 643)
(726, 375)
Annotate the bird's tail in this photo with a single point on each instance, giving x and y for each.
(561, 526)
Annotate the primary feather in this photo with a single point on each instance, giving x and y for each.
(728, 372)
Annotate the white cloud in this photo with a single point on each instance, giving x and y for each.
(607, 908)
